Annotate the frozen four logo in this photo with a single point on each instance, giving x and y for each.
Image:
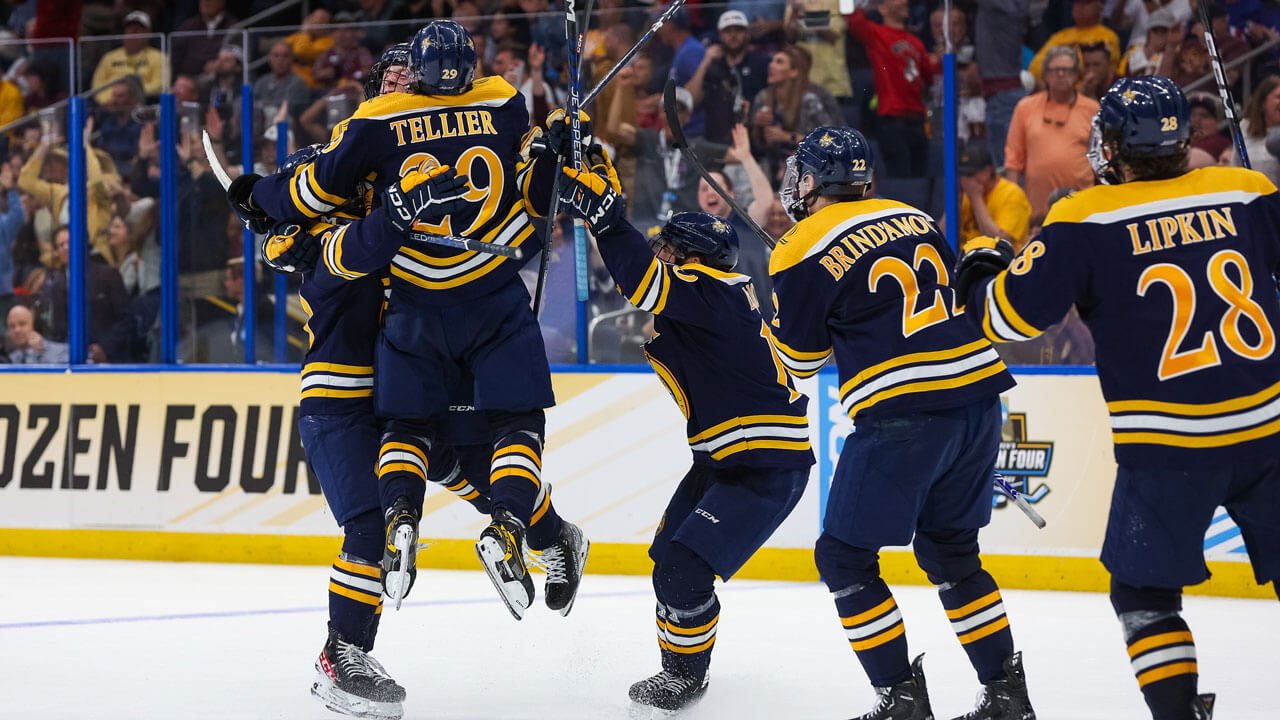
(1021, 459)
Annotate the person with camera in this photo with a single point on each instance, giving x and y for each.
(732, 72)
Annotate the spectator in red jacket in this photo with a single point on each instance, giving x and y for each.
(902, 71)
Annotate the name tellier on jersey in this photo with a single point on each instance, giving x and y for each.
(434, 126)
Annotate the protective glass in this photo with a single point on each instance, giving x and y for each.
(789, 191)
(1098, 160)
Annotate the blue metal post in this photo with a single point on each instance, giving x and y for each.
(77, 300)
(168, 229)
(582, 333)
(949, 129)
(282, 281)
(249, 302)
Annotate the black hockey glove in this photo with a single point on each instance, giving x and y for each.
(288, 249)
(593, 197)
(240, 195)
(424, 196)
(984, 257)
(559, 135)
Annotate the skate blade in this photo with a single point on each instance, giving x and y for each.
(398, 580)
(640, 711)
(582, 570)
(512, 592)
(345, 703)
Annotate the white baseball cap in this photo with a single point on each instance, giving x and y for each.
(732, 18)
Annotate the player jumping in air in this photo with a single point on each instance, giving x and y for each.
(745, 421)
(1174, 272)
(865, 281)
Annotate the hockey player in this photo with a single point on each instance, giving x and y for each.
(746, 424)
(864, 281)
(457, 322)
(1174, 272)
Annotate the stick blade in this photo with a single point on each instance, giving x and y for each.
(673, 119)
(214, 164)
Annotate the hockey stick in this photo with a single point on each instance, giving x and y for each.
(626, 59)
(1018, 500)
(682, 144)
(446, 240)
(574, 34)
(1224, 92)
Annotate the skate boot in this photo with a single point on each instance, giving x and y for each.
(400, 556)
(665, 693)
(500, 553)
(563, 562)
(1004, 699)
(908, 700)
(1202, 706)
(350, 682)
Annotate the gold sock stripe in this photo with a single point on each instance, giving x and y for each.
(1154, 641)
(693, 650)
(989, 599)
(358, 569)
(346, 592)
(877, 640)
(515, 471)
(542, 510)
(408, 447)
(1165, 672)
(398, 466)
(984, 631)
(525, 450)
(678, 630)
(862, 618)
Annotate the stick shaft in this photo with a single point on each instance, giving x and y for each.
(1220, 76)
(479, 246)
(664, 17)
(1019, 500)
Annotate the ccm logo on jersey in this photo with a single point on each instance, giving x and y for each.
(1193, 227)
(444, 125)
(707, 515)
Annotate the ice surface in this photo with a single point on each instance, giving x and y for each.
(116, 640)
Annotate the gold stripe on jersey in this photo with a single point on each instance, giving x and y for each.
(729, 278)
(334, 380)
(306, 325)
(669, 381)
(911, 359)
(798, 362)
(486, 92)
(651, 294)
(920, 372)
(332, 245)
(1197, 425)
(337, 368)
(753, 432)
(1195, 441)
(455, 260)
(1194, 409)
(512, 234)
(929, 386)
(815, 233)
(1113, 203)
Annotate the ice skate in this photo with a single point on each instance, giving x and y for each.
(1004, 699)
(665, 694)
(400, 556)
(500, 553)
(564, 562)
(350, 682)
(908, 700)
(1202, 706)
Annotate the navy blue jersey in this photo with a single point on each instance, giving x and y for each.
(1176, 279)
(478, 133)
(865, 282)
(713, 352)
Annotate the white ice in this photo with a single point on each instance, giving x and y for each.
(115, 640)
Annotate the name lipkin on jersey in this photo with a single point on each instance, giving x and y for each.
(854, 244)
(1162, 233)
(443, 125)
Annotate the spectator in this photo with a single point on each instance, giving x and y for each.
(120, 131)
(12, 104)
(729, 78)
(281, 85)
(1049, 134)
(107, 299)
(312, 39)
(753, 256)
(1087, 30)
(333, 107)
(41, 85)
(220, 323)
(507, 27)
(191, 54)
(44, 177)
(767, 20)
(1095, 61)
(347, 59)
(1187, 57)
(402, 12)
(786, 110)
(24, 346)
(1135, 16)
(902, 70)
(1145, 53)
(1206, 133)
(624, 112)
(185, 90)
(971, 108)
(11, 221)
(990, 205)
(816, 27)
(134, 57)
(615, 41)
(201, 231)
(1262, 114)
(380, 12)
(779, 223)
(525, 74)
(688, 58)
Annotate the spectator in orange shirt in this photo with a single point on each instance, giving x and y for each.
(1049, 133)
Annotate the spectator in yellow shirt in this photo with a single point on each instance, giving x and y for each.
(990, 205)
(1088, 29)
(135, 57)
(311, 40)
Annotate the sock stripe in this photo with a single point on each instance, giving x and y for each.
(525, 450)
(984, 631)
(969, 608)
(892, 633)
(366, 570)
(400, 456)
(356, 582)
(879, 625)
(404, 467)
(357, 595)
(515, 471)
(542, 508)
(671, 627)
(1166, 671)
(875, 612)
(409, 447)
(991, 614)
(1150, 660)
(1155, 641)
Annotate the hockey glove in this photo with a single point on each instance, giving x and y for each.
(595, 198)
(240, 195)
(424, 197)
(288, 249)
(559, 135)
(984, 257)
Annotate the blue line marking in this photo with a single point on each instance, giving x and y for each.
(1222, 537)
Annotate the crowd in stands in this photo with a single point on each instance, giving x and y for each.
(753, 77)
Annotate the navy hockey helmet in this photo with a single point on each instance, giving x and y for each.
(355, 207)
(839, 161)
(395, 56)
(442, 59)
(298, 158)
(1139, 117)
(702, 234)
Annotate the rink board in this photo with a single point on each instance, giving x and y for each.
(207, 466)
